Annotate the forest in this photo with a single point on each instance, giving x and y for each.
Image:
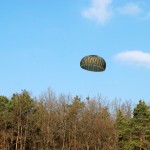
(65, 122)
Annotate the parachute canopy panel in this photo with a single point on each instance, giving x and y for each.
(93, 63)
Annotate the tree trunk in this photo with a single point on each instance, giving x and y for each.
(87, 146)
(140, 139)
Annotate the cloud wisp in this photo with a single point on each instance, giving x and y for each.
(134, 57)
(130, 9)
(146, 16)
(99, 11)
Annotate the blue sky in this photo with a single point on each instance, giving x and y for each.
(43, 41)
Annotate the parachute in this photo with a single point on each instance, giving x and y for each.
(93, 63)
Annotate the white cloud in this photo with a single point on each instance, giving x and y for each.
(135, 57)
(130, 9)
(99, 11)
(102, 11)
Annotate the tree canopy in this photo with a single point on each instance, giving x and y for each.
(66, 122)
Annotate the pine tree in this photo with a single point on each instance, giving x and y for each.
(3, 120)
(141, 127)
(123, 128)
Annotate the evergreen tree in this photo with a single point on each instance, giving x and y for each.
(3, 103)
(19, 108)
(124, 131)
(3, 120)
(141, 127)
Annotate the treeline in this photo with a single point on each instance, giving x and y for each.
(69, 123)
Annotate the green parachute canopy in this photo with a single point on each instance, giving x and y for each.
(93, 63)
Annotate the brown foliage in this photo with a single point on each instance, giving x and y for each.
(62, 123)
